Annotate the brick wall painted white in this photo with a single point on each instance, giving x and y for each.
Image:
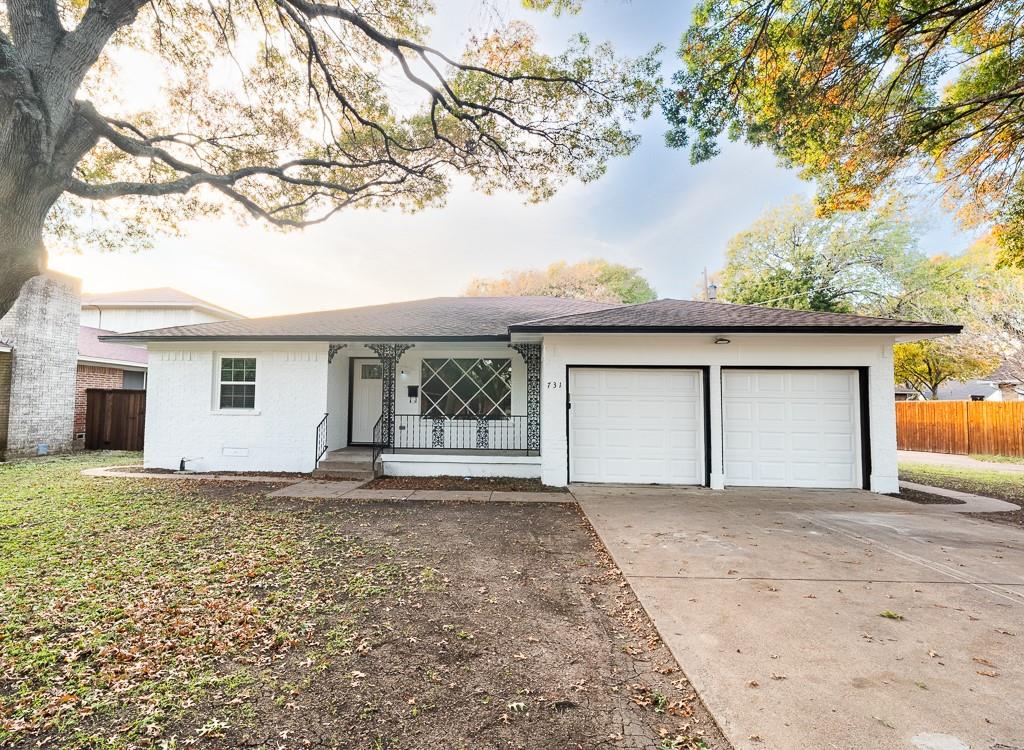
(43, 329)
(183, 419)
(847, 350)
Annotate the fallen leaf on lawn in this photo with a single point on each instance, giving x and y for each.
(883, 722)
(932, 654)
(982, 661)
(753, 684)
(778, 676)
(987, 673)
(890, 615)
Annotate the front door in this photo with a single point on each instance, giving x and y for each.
(367, 378)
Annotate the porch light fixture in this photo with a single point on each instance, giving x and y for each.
(721, 340)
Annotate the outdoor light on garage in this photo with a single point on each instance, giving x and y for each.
(721, 340)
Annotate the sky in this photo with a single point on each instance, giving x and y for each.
(652, 210)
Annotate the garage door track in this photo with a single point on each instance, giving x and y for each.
(830, 619)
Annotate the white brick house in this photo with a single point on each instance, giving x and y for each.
(669, 391)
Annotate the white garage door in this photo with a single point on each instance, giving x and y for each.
(636, 426)
(791, 428)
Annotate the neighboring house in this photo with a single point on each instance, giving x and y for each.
(116, 366)
(903, 393)
(105, 365)
(1008, 384)
(671, 391)
(39, 349)
(143, 309)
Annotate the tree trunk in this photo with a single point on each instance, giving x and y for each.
(22, 252)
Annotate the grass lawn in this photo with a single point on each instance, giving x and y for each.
(996, 459)
(190, 613)
(984, 482)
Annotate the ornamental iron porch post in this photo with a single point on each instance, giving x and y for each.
(388, 354)
(531, 354)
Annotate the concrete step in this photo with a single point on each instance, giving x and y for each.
(338, 464)
(343, 474)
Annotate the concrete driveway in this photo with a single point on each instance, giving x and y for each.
(771, 601)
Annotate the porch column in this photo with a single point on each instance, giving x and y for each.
(531, 354)
(388, 354)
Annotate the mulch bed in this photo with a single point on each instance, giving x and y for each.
(465, 484)
(924, 498)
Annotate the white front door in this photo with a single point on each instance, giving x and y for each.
(791, 428)
(642, 426)
(367, 379)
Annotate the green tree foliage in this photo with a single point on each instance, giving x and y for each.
(867, 262)
(595, 279)
(926, 365)
(284, 110)
(846, 262)
(858, 95)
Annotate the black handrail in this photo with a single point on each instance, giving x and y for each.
(321, 439)
(378, 441)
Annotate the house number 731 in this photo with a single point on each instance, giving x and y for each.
(555, 384)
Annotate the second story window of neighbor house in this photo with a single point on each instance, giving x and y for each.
(238, 383)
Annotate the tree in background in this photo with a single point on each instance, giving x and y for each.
(284, 110)
(595, 279)
(926, 365)
(995, 302)
(850, 261)
(857, 95)
(868, 262)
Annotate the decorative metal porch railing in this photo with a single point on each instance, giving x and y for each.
(415, 432)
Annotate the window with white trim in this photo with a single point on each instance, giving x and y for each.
(466, 387)
(238, 383)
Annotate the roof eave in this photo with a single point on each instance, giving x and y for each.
(318, 337)
(936, 329)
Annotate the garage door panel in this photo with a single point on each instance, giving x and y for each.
(791, 428)
(648, 426)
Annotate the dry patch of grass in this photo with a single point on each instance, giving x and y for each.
(170, 614)
(131, 605)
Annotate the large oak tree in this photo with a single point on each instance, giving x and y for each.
(285, 110)
(859, 94)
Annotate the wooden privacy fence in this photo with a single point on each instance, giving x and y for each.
(991, 427)
(114, 419)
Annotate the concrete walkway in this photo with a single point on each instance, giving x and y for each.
(354, 491)
(771, 600)
(969, 503)
(957, 461)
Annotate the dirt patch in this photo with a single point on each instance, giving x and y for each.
(465, 484)
(924, 498)
(208, 615)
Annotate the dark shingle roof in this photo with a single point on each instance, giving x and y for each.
(672, 315)
(482, 318)
(437, 318)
